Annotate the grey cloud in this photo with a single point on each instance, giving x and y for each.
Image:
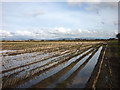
(102, 22)
(95, 5)
(115, 22)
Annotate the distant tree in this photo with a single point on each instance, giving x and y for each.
(42, 40)
(3, 40)
(118, 36)
(111, 38)
(77, 39)
(31, 40)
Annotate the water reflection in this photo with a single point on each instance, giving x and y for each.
(52, 71)
(83, 76)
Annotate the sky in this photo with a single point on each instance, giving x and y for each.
(53, 20)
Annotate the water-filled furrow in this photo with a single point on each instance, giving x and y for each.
(27, 60)
(50, 72)
(36, 64)
(68, 73)
(4, 79)
(30, 67)
(28, 73)
(80, 76)
(52, 79)
(86, 72)
(31, 64)
(52, 63)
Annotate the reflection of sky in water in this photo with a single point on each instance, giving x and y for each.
(23, 59)
(3, 51)
(82, 77)
(73, 69)
(50, 72)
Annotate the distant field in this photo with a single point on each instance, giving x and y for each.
(26, 45)
(48, 64)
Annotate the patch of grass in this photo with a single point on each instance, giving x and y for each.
(116, 46)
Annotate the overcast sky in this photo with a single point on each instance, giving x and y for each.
(51, 20)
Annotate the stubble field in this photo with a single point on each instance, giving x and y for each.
(49, 64)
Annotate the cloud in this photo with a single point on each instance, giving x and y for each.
(23, 33)
(88, 19)
(97, 1)
(106, 11)
(54, 33)
(95, 5)
(5, 34)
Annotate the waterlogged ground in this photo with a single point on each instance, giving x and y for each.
(59, 64)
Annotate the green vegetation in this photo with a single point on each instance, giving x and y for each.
(116, 46)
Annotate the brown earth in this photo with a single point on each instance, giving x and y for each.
(108, 76)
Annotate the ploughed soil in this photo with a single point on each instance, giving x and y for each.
(106, 74)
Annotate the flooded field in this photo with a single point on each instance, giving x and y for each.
(48, 64)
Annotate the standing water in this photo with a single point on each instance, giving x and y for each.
(78, 76)
(82, 77)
